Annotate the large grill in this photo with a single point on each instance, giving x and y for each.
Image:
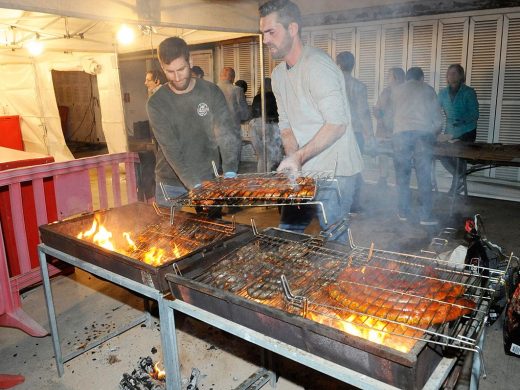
(385, 314)
(138, 241)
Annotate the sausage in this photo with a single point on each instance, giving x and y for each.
(400, 307)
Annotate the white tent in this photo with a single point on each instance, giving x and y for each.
(82, 36)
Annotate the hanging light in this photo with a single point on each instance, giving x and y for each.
(125, 35)
(34, 47)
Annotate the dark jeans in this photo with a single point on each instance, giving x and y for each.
(336, 206)
(450, 163)
(356, 203)
(417, 147)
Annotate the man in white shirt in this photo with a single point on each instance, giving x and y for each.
(314, 117)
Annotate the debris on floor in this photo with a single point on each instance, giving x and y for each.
(147, 376)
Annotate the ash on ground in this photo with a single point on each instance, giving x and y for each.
(143, 377)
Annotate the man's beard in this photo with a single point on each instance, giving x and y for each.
(181, 85)
(282, 50)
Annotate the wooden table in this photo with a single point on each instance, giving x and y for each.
(478, 156)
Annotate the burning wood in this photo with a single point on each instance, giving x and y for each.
(147, 376)
(156, 243)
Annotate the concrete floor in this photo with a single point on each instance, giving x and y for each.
(88, 307)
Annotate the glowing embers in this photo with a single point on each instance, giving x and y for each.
(154, 244)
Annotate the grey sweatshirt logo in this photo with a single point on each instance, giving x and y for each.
(202, 109)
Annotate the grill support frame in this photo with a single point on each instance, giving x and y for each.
(305, 358)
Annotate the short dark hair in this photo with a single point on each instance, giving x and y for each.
(459, 69)
(398, 74)
(288, 12)
(198, 71)
(414, 73)
(242, 84)
(346, 61)
(172, 48)
(157, 75)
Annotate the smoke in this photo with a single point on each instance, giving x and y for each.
(273, 144)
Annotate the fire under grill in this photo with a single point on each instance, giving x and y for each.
(138, 241)
(386, 314)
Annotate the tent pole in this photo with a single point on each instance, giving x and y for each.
(40, 106)
(262, 97)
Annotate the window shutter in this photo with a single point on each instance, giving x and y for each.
(342, 40)
(321, 40)
(244, 68)
(422, 42)
(306, 37)
(393, 49)
(228, 56)
(508, 110)
(452, 47)
(368, 41)
(204, 59)
(482, 70)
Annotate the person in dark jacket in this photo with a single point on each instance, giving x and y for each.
(191, 121)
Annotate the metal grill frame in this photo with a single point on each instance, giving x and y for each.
(322, 179)
(457, 334)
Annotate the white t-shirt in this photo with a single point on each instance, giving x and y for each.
(310, 94)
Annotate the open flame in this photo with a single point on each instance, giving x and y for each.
(371, 330)
(100, 235)
(158, 373)
(155, 256)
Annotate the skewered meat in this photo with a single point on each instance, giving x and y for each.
(421, 300)
(274, 189)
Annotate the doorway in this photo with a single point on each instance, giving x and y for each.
(77, 97)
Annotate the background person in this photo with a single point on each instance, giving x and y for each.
(153, 80)
(460, 105)
(197, 72)
(359, 115)
(274, 149)
(384, 115)
(417, 122)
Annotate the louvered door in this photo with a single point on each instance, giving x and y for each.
(394, 42)
(507, 128)
(367, 53)
(343, 40)
(452, 47)
(422, 44)
(322, 40)
(204, 59)
(228, 56)
(482, 70)
(244, 68)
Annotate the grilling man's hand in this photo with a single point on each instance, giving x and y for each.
(291, 163)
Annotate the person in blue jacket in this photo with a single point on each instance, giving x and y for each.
(460, 105)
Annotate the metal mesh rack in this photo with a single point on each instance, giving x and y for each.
(389, 298)
(259, 189)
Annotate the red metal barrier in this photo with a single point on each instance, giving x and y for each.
(73, 193)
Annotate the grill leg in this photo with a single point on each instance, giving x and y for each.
(267, 362)
(170, 348)
(50, 311)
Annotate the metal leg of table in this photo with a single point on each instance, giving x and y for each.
(456, 181)
(170, 349)
(50, 311)
(95, 270)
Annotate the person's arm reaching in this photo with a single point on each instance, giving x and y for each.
(325, 137)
